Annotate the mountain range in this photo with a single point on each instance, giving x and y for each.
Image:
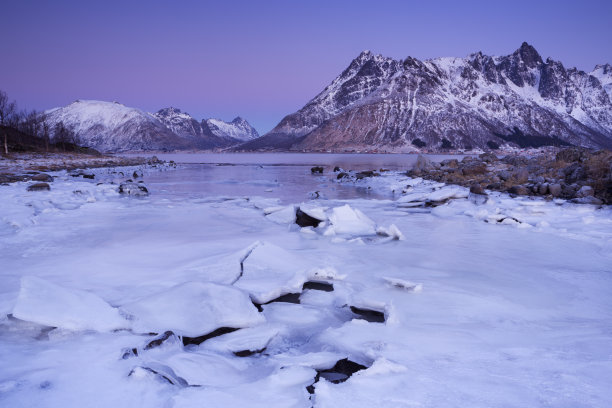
(387, 105)
(113, 127)
(480, 101)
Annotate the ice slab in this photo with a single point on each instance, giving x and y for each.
(286, 387)
(46, 303)
(250, 339)
(349, 221)
(193, 309)
(271, 271)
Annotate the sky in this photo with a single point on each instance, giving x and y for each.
(262, 59)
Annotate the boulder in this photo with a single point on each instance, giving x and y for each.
(570, 155)
(477, 189)
(450, 163)
(422, 164)
(342, 175)
(555, 189)
(474, 167)
(587, 200)
(543, 188)
(518, 190)
(488, 157)
(316, 170)
(39, 187)
(133, 189)
(42, 177)
(520, 175)
(585, 191)
(368, 173)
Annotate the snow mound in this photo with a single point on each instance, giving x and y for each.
(193, 309)
(46, 303)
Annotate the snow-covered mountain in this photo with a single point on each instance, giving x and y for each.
(238, 128)
(198, 134)
(113, 127)
(477, 101)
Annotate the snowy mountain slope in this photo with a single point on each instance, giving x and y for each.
(198, 134)
(518, 99)
(113, 127)
(604, 74)
(238, 129)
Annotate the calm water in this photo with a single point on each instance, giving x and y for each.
(280, 175)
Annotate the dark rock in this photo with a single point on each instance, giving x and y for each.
(165, 374)
(422, 164)
(129, 353)
(42, 177)
(159, 340)
(520, 175)
(133, 189)
(555, 189)
(570, 155)
(340, 372)
(568, 190)
(367, 173)
(518, 190)
(587, 200)
(318, 285)
(316, 169)
(200, 339)
(450, 163)
(39, 187)
(574, 172)
(585, 191)
(342, 175)
(504, 175)
(373, 316)
(246, 353)
(488, 157)
(543, 189)
(88, 176)
(474, 167)
(337, 169)
(304, 220)
(477, 189)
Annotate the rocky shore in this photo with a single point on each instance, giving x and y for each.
(32, 166)
(576, 174)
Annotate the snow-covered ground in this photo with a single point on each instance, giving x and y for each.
(503, 303)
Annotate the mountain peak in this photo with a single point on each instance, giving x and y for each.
(529, 55)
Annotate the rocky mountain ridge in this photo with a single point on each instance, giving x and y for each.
(517, 100)
(113, 127)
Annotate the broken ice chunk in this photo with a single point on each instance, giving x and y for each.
(270, 271)
(404, 284)
(392, 231)
(346, 220)
(193, 309)
(46, 303)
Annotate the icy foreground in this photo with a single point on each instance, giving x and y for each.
(436, 298)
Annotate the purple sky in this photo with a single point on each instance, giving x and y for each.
(262, 59)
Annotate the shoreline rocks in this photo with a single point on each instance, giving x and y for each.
(576, 174)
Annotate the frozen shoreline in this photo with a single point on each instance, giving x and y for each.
(513, 303)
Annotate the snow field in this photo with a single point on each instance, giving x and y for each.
(496, 303)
